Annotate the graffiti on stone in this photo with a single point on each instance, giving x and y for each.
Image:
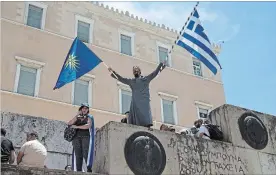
(196, 160)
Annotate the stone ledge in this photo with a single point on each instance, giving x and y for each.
(21, 170)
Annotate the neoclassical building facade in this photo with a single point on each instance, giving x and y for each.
(36, 37)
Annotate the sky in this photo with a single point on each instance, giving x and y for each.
(247, 57)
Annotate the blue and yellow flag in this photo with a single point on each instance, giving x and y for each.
(78, 62)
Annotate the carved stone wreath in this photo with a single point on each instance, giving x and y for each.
(145, 154)
(253, 130)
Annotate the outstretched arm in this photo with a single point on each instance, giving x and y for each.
(120, 78)
(160, 67)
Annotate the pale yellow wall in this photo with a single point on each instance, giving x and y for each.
(51, 45)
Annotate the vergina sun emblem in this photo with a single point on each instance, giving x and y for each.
(72, 62)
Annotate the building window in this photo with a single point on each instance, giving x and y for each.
(168, 108)
(35, 14)
(125, 100)
(168, 111)
(126, 43)
(84, 29)
(203, 109)
(82, 90)
(162, 53)
(203, 113)
(27, 79)
(197, 68)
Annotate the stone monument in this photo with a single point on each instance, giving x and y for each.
(249, 146)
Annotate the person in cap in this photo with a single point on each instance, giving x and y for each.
(83, 142)
(140, 112)
(32, 153)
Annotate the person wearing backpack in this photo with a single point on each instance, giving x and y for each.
(83, 140)
(208, 131)
(7, 149)
(203, 131)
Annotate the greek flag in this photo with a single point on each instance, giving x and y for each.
(195, 41)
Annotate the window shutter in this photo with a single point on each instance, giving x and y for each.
(126, 45)
(83, 31)
(126, 100)
(34, 16)
(81, 92)
(163, 52)
(27, 79)
(168, 112)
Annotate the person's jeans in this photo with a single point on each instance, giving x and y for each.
(81, 148)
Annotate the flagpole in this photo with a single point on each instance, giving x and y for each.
(182, 30)
(111, 72)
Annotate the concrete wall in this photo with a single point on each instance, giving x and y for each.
(188, 155)
(51, 45)
(50, 135)
(184, 154)
(227, 117)
(17, 170)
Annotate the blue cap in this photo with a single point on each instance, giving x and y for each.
(85, 105)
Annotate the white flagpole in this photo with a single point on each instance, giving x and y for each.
(182, 30)
(111, 72)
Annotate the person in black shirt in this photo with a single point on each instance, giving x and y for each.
(7, 149)
(83, 122)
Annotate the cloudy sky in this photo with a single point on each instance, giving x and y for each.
(248, 57)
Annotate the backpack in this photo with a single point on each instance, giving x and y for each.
(69, 133)
(215, 132)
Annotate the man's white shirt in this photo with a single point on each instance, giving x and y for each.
(203, 129)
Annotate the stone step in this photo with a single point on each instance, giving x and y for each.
(24, 170)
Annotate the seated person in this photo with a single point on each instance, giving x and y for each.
(7, 149)
(32, 153)
(203, 131)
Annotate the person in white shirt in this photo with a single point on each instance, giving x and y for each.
(203, 131)
(32, 153)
